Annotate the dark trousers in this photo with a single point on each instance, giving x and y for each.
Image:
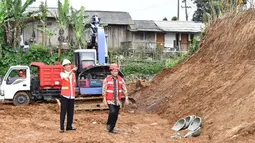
(113, 116)
(67, 106)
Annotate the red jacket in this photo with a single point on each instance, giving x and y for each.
(110, 88)
(66, 89)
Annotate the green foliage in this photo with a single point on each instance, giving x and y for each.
(174, 18)
(78, 24)
(43, 8)
(14, 16)
(7, 58)
(63, 10)
(172, 62)
(142, 68)
(194, 46)
(48, 32)
(36, 53)
(14, 8)
(165, 19)
(27, 3)
(209, 10)
(206, 10)
(2, 12)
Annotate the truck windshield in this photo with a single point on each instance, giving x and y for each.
(16, 74)
(87, 56)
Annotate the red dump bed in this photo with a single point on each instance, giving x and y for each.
(49, 75)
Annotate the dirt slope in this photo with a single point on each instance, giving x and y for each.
(217, 83)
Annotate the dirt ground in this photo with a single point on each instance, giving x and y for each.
(217, 83)
(40, 123)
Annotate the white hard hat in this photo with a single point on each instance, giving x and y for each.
(65, 61)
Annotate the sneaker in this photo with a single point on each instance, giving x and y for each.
(61, 131)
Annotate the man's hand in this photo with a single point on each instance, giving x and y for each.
(75, 68)
(126, 101)
(105, 102)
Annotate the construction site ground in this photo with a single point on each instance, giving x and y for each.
(40, 123)
(216, 83)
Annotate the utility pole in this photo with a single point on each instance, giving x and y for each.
(178, 6)
(186, 7)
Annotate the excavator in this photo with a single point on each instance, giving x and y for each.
(44, 85)
(92, 68)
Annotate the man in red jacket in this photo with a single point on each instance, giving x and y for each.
(113, 88)
(67, 95)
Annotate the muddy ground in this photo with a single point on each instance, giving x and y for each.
(40, 123)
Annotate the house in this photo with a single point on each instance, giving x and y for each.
(32, 32)
(120, 29)
(178, 35)
(144, 33)
(116, 25)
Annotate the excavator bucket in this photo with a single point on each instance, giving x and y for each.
(89, 104)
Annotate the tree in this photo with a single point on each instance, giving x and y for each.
(174, 18)
(63, 18)
(49, 34)
(202, 7)
(207, 10)
(78, 23)
(210, 10)
(14, 19)
(165, 19)
(43, 17)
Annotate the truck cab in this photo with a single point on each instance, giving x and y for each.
(15, 87)
(21, 87)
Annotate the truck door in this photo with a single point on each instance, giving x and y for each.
(16, 79)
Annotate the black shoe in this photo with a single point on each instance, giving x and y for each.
(113, 132)
(71, 129)
(61, 131)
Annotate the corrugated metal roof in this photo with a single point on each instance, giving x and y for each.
(111, 17)
(52, 11)
(144, 25)
(180, 26)
(107, 17)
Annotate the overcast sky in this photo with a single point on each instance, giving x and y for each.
(138, 9)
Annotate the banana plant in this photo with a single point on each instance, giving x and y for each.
(14, 19)
(63, 20)
(43, 17)
(49, 33)
(63, 11)
(78, 23)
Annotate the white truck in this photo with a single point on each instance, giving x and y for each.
(16, 88)
(45, 85)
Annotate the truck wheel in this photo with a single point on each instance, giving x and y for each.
(21, 98)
